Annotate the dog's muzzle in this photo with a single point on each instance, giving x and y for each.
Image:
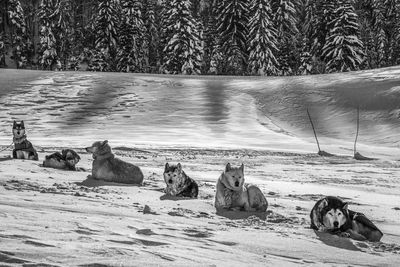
(236, 183)
(170, 181)
(336, 224)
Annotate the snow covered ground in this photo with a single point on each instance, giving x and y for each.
(62, 218)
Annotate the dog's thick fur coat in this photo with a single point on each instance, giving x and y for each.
(232, 193)
(66, 160)
(355, 225)
(108, 168)
(23, 149)
(178, 183)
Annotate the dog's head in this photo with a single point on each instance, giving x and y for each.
(71, 156)
(173, 175)
(334, 216)
(18, 129)
(233, 178)
(99, 148)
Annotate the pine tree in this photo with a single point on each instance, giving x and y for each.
(210, 39)
(19, 37)
(392, 27)
(286, 26)
(182, 53)
(304, 58)
(2, 35)
(152, 35)
(47, 50)
(64, 31)
(263, 43)
(213, 59)
(106, 42)
(306, 63)
(379, 36)
(396, 34)
(233, 32)
(319, 13)
(164, 32)
(131, 55)
(2, 49)
(343, 50)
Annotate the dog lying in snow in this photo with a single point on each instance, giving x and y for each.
(331, 214)
(108, 168)
(233, 193)
(66, 160)
(178, 183)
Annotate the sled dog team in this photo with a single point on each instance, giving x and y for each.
(329, 214)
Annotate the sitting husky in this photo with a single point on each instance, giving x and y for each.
(232, 193)
(23, 149)
(108, 168)
(66, 160)
(331, 214)
(178, 183)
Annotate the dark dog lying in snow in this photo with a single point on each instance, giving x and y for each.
(66, 160)
(178, 183)
(330, 214)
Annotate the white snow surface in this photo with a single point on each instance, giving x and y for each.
(64, 218)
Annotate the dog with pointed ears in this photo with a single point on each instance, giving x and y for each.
(233, 194)
(109, 168)
(66, 160)
(331, 214)
(178, 183)
(23, 149)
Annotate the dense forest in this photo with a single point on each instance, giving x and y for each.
(223, 37)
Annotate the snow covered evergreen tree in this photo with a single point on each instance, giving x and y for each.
(306, 62)
(105, 27)
(132, 49)
(233, 32)
(93, 32)
(152, 35)
(343, 50)
(262, 40)
(319, 13)
(2, 49)
(379, 36)
(286, 26)
(182, 53)
(64, 31)
(396, 34)
(19, 37)
(212, 52)
(391, 27)
(47, 48)
(164, 32)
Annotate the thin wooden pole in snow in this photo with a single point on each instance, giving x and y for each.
(315, 134)
(357, 155)
(358, 129)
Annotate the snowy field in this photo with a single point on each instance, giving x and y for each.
(60, 218)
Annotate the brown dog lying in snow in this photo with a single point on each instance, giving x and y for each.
(108, 168)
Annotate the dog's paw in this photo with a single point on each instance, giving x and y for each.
(344, 234)
(236, 209)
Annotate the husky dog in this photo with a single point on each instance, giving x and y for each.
(108, 168)
(178, 183)
(23, 149)
(232, 193)
(331, 214)
(65, 160)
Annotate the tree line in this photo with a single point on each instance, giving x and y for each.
(222, 37)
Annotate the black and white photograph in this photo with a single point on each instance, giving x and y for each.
(199, 133)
